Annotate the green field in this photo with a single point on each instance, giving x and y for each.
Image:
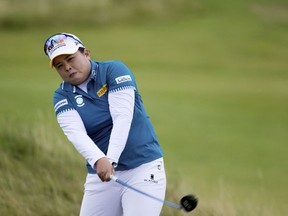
(214, 80)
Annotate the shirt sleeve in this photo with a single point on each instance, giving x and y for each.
(73, 127)
(121, 105)
(119, 77)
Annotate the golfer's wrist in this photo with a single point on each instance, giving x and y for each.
(114, 164)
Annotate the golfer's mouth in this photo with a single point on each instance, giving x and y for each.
(72, 74)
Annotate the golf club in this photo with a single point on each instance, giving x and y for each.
(188, 202)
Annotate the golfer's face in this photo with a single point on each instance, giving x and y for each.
(73, 68)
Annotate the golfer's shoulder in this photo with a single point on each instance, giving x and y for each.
(111, 64)
(63, 87)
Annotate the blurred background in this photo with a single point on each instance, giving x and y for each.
(214, 79)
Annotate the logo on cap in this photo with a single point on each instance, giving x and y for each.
(55, 45)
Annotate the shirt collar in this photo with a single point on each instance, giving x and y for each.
(94, 69)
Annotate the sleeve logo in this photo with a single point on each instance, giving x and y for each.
(123, 79)
(60, 104)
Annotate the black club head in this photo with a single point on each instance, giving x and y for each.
(189, 202)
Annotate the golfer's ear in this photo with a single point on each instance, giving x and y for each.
(87, 53)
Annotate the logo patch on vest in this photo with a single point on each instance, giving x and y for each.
(79, 100)
(102, 91)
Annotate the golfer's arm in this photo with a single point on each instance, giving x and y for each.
(73, 127)
(121, 105)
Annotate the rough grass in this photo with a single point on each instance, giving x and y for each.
(32, 160)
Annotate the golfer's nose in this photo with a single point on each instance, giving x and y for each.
(67, 66)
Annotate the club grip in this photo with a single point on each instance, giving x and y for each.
(114, 178)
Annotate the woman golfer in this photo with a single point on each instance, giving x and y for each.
(100, 110)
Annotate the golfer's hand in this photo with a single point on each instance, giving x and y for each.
(104, 169)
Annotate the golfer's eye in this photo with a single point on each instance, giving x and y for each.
(58, 66)
(70, 59)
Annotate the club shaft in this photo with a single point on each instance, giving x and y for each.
(165, 202)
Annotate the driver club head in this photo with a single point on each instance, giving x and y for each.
(189, 202)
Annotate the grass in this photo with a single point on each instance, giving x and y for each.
(214, 82)
(30, 170)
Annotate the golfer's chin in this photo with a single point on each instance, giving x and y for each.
(76, 79)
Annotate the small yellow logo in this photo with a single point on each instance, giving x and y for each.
(102, 91)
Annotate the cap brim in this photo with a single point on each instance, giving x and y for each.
(66, 52)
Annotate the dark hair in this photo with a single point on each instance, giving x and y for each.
(81, 49)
